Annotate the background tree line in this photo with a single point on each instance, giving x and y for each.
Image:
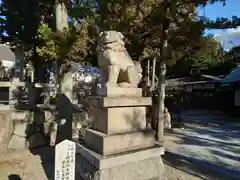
(32, 23)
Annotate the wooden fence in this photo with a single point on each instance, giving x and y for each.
(218, 99)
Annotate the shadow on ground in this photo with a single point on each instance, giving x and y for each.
(47, 155)
(194, 167)
(207, 147)
(14, 177)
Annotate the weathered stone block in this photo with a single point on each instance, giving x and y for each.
(17, 142)
(139, 165)
(119, 120)
(53, 134)
(111, 144)
(6, 130)
(141, 170)
(104, 162)
(119, 92)
(119, 101)
(19, 115)
(20, 129)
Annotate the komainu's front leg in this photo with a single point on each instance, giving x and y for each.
(113, 72)
(133, 77)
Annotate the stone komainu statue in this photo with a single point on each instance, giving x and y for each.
(167, 118)
(115, 61)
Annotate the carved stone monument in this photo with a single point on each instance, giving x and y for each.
(119, 146)
(65, 160)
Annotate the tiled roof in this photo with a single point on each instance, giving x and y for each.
(210, 77)
(233, 77)
(203, 78)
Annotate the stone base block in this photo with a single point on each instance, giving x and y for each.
(19, 115)
(17, 142)
(20, 128)
(111, 144)
(119, 120)
(138, 165)
(6, 130)
(149, 169)
(99, 101)
(119, 91)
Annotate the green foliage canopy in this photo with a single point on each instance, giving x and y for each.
(33, 24)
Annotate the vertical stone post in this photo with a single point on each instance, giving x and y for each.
(53, 91)
(19, 63)
(64, 108)
(18, 75)
(13, 90)
(31, 95)
(46, 94)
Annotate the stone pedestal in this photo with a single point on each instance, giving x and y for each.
(143, 164)
(119, 92)
(112, 144)
(119, 145)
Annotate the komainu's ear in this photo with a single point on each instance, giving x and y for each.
(120, 35)
(106, 35)
(100, 34)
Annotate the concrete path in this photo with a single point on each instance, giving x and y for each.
(208, 146)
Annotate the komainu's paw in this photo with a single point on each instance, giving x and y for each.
(125, 85)
(108, 84)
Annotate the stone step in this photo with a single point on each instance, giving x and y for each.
(119, 120)
(111, 144)
(103, 162)
(19, 116)
(119, 92)
(119, 101)
(148, 169)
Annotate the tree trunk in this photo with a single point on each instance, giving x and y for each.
(153, 74)
(162, 73)
(161, 99)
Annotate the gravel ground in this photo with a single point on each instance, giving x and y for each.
(21, 165)
(196, 152)
(27, 166)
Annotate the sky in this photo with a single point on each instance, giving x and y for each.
(232, 8)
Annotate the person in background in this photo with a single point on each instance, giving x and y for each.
(145, 87)
(167, 119)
